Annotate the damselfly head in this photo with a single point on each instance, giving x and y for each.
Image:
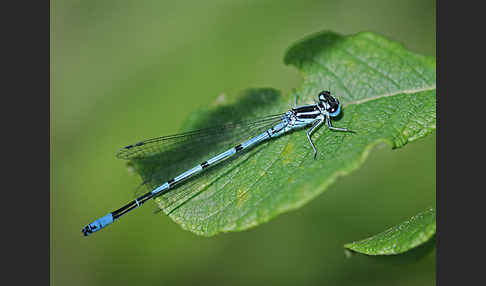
(329, 103)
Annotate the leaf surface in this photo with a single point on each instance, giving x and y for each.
(399, 239)
(388, 95)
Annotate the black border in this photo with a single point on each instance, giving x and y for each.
(460, 118)
(26, 142)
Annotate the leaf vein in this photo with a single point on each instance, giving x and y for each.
(233, 200)
(405, 91)
(333, 74)
(391, 51)
(358, 60)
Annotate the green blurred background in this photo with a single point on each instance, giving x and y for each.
(126, 70)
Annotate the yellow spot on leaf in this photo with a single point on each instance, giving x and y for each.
(242, 197)
(287, 153)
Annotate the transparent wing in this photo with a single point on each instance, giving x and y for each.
(156, 146)
(159, 159)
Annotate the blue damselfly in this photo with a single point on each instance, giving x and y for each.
(257, 131)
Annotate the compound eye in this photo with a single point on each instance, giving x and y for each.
(324, 95)
(333, 103)
(334, 108)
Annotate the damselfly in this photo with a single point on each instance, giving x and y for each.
(313, 115)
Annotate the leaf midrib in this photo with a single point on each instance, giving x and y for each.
(405, 91)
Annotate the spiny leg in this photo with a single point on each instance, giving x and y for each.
(336, 128)
(309, 132)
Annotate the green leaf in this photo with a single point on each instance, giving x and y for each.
(399, 239)
(388, 94)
